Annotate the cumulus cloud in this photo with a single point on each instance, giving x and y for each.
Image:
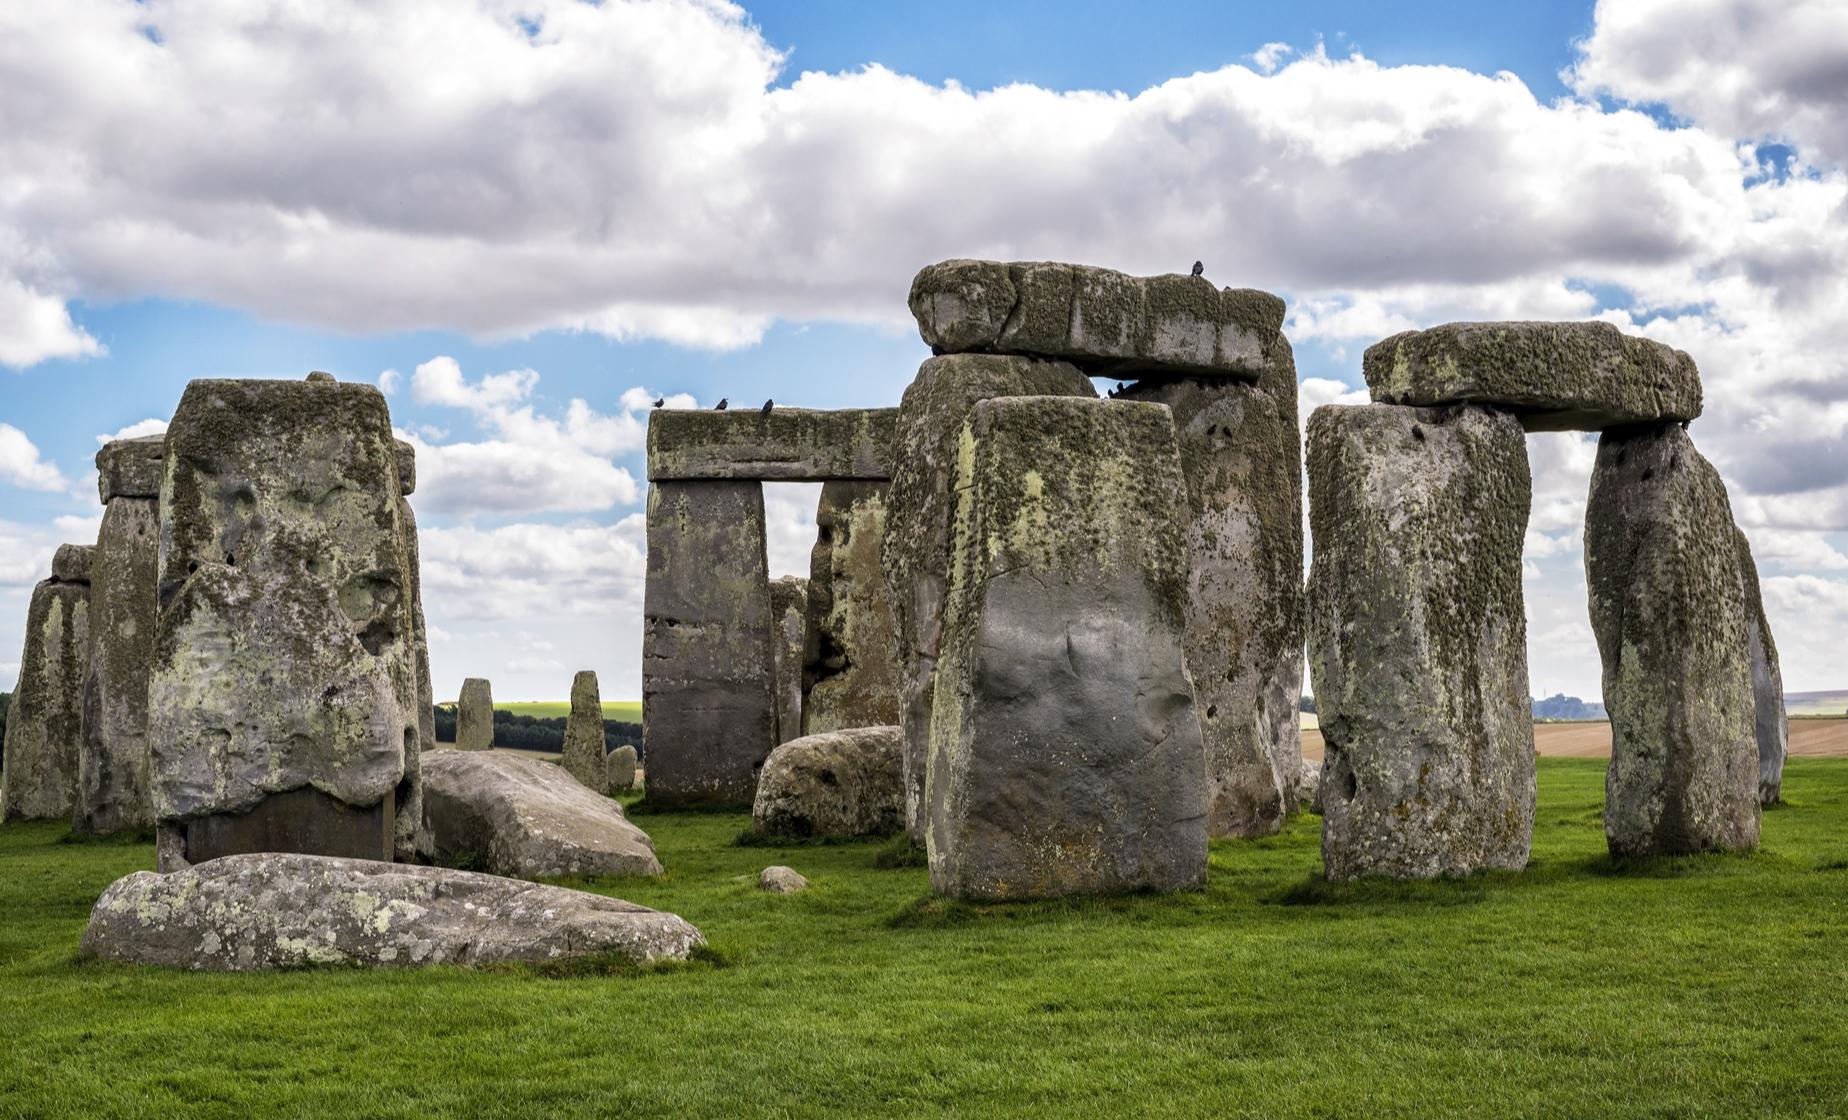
(34, 325)
(140, 428)
(23, 466)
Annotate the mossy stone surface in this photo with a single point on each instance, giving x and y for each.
(850, 670)
(1555, 376)
(1417, 640)
(1770, 722)
(475, 715)
(1065, 756)
(72, 562)
(130, 468)
(38, 780)
(1106, 322)
(788, 445)
(788, 625)
(920, 507)
(583, 755)
(838, 784)
(1668, 608)
(112, 780)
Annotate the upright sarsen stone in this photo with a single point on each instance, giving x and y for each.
(475, 715)
(584, 733)
(1667, 605)
(1418, 640)
(283, 695)
(38, 780)
(1770, 722)
(788, 622)
(850, 663)
(708, 663)
(1065, 757)
(915, 554)
(1241, 455)
(426, 692)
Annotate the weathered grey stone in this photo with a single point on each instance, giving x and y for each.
(1065, 756)
(1667, 605)
(510, 815)
(584, 733)
(620, 770)
(71, 563)
(112, 767)
(1556, 376)
(420, 636)
(781, 880)
(130, 468)
(1418, 640)
(247, 913)
(838, 783)
(1308, 786)
(407, 467)
(850, 664)
(920, 507)
(1242, 456)
(44, 724)
(475, 715)
(1771, 724)
(708, 664)
(1106, 322)
(284, 656)
(788, 619)
(789, 445)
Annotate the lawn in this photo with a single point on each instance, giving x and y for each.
(1700, 987)
(626, 711)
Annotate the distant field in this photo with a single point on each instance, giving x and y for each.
(1809, 738)
(624, 711)
(1816, 703)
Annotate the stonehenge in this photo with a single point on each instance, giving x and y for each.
(788, 619)
(44, 724)
(475, 715)
(583, 755)
(621, 770)
(837, 783)
(1770, 724)
(849, 672)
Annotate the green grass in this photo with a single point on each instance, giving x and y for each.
(626, 711)
(1699, 987)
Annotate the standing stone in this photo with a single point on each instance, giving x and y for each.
(282, 704)
(1770, 722)
(584, 733)
(420, 650)
(1065, 755)
(850, 666)
(621, 769)
(475, 715)
(915, 554)
(1242, 455)
(788, 619)
(112, 767)
(1667, 605)
(44, 724)
(1418, 640)
(708, 661)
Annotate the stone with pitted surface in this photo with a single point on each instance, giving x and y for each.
(837, 784)
(130, 468)
(788, 445)
(850, 663)
(44, 723)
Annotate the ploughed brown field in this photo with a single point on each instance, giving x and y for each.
(1809, 738)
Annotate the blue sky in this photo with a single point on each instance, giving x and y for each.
(669, 204)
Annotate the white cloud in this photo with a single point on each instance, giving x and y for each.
(21, 464)
(1808, 615)
(1271, 55)
(389, 380)
(35, 326)
(148, 427)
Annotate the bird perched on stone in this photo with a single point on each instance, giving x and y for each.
(724, 403)
(768, 405)
(1199, 269)
(659, 401)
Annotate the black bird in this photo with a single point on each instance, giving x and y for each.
(1199, 269)
(659, 401)
(768, 405)
(722, 405)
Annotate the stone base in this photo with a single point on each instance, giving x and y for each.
(302, 820)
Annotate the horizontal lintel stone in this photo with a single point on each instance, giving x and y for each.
(130, 468)
(787, 445)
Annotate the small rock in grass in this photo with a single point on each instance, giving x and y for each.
(781, 880)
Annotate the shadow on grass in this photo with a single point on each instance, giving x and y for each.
(932, 911)
(898, 853)
(750, 838)
(1317, 891)
(1673, 867)
(133, 839)
(599, 965)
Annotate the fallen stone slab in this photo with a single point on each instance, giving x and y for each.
(112, 767)
(1065, 755)
(1667, 606)
(130, 468)
(850, 673)
(1555, 376)
(475, 715)
(44, 722)
(920, 507)
(837, 784)
(266, 910)
(788, 624)
(1417, 639)
(788, 445)
(583, 754)
(517, 816)
(1770, 721)
(1105, 322)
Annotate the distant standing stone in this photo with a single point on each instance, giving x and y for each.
(475, 715)
(1309, 786)
(1667, 605)
(112, 785)
(850, 660)
(44, 724)
(788, 621)
(781, 880)
(621, 769)
(1771, 722)
(584, 733)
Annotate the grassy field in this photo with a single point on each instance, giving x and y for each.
(1700, 987)
(627, 711)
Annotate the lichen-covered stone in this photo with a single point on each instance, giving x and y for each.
(284, 657)
(1556, 376)
(920, 507)
(475, 715)
(1308, 786)
(426, 691)
(837, 784)
(130, 468)
(708, 660)
(789, 445)
(583, 755)
(850, 664)
(1065, 756)
(1770, 722)
(112, 767)
(44, 723)
(71, 563)
(1242, 457)
(1418, 640)
(511, 815)
(407, 467)
(1668, 609)
(620, 770)
(247, 913)
(1106, 322)
(788, 621)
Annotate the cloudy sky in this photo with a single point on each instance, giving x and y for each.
(525, 219)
